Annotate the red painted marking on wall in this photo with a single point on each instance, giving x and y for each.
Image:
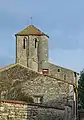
(12, 102)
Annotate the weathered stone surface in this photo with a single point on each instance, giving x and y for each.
(11, 110)
(16, 110)
(19, 82)
(38, 113)
(19, 79)
(60, 72)
(33, 57)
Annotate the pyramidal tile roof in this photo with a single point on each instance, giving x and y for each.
(31, 30)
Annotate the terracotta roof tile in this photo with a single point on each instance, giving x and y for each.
(31, 30)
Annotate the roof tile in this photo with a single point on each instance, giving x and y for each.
(31, 30)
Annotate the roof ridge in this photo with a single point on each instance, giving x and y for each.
(7, 67)
(12, 65)
(63, 67)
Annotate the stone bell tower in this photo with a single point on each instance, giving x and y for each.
(32, 49)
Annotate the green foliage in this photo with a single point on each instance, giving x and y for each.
(81, 90)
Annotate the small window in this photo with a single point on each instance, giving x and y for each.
(38, 99)
(74, 74)
(58, 70)
(41, 99)
(64, 77)
(24, 43)
(35, 42)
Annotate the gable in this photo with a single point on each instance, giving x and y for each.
(16, 71)
(12, 76)
(17, 65)
(17, 79)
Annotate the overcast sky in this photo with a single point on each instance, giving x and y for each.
(62, 20)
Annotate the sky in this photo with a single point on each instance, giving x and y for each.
(62, 20)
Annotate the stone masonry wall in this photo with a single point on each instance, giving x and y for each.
(33, 57)
(12, 110)
(44, 113)
(27, 56)
(43, 53)
(20, 79)
(61, 73)
(16, 110)
(21, 55)
(33, 53)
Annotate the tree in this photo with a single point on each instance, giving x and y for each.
(81, 90)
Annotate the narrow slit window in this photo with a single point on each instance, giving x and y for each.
(58, 70)
(64, 77)
(74, 74)
(24, 43)
(35, 42)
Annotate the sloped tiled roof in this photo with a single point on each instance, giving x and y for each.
(31, 30)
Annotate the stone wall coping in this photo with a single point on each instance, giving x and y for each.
(30, 104)
(13, 102)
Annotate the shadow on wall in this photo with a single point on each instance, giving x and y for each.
(32, 111)
(81, 114)
(39, 112)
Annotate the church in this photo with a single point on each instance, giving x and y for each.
(33, 78)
